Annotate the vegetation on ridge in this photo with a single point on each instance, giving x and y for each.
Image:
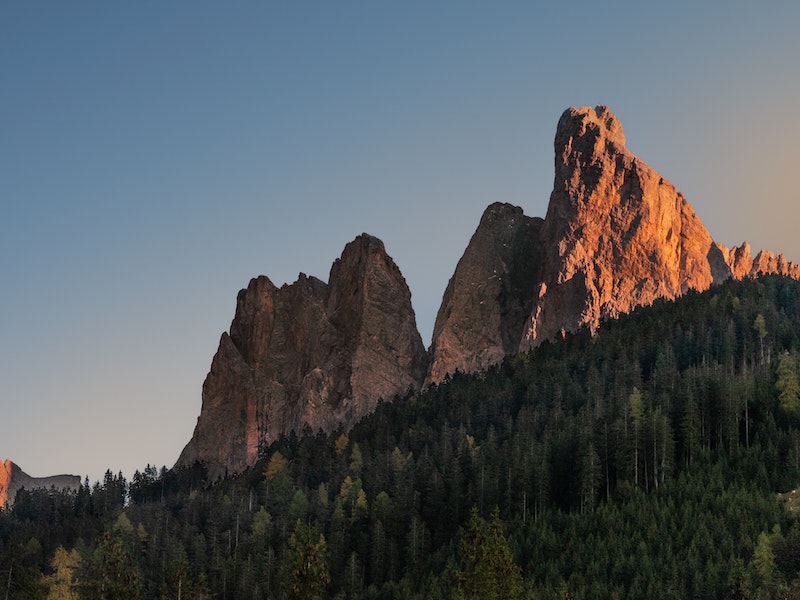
(642, 462)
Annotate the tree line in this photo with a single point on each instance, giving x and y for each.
(644, 461)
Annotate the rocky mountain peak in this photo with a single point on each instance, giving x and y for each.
(490, 295)
(589, 133)
(315, 355)
(617, 235)
(308, 356)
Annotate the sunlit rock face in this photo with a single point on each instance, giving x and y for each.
(617, 235)
(308, 356)
(13, 479)
(315, 356)
(742, 264)
(739, 260)
(767, 262)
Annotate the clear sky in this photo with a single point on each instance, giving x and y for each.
(155, 156)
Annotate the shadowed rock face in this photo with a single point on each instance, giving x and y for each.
(490, 296)
(308, 356)
(13, 479)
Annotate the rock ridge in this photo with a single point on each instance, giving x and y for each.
(308, 356)
(312, 355)
(13, 479)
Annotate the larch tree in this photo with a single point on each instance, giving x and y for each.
(62, 584)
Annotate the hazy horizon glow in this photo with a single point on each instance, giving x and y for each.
(157, 157)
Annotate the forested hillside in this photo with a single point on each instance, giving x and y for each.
(643, 462)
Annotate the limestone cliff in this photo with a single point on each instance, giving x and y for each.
(13, 479)
(309, 355)
(488, 299)
(617, 235)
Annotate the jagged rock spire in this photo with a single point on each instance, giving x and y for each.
(309, 355)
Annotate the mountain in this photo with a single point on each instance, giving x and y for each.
(315, 356)
(490, 296)
(643, 462)
(617, 235)
(13, 479)
(308, 356)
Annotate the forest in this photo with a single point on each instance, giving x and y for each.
(655, 459)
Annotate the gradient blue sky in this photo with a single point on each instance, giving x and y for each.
(157, 155)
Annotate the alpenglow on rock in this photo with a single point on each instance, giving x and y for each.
(617, 235)
(13, 479)
(308, 356)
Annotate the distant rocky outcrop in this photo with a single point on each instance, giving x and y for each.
(13, 479)
(308, 356)
(315, 355)
(766, 263)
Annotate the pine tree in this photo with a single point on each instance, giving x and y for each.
(306, 575)
(488, 570)
(637, 414)
(788, 383)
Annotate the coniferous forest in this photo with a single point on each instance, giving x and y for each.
(652, 460)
